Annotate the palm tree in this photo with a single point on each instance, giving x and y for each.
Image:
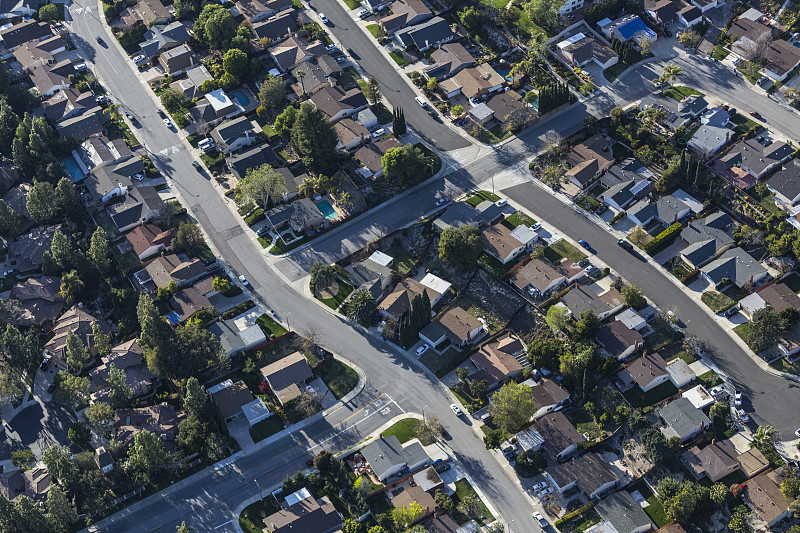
(71, 285)
(672, 73)
(653, 115)
(361, 307)
(300, 75)
(765, 435)
(308, 186)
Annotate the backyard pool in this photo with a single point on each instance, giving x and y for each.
(504, 71)
(75, 172)
(240, 97)
(327, 210)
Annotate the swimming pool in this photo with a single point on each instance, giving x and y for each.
(240, 97)
(327, 209)
(74, 170)
(505, 72)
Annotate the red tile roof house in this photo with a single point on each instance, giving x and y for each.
(763, 495)
(547, 396)
(498, 361)
(147, 240)
(618, 340)
(79, 321)
(648, 372)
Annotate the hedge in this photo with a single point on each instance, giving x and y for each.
(238, 310)
(663, 239)
(569, 516)
(256, 216)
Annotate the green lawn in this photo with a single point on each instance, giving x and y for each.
(403, 429)
(383, 115)
(583, 421)
(266, 428)
(281, 247)
(374, 29)
(678, 268)
(582, 522)
(128, 260)
(339, 377)
(709, 380)
(720, 53)
(442, 364)
(676, 351)
(517, 219)
(251, 515)
(403, 260)
(638, 398)
(463, 490)
(751, 71)
(656, 512)
(499, 4)
(268, 324)
(564, 249)
(481, 196)
(614, 70)
(718, 302)
(398, 58)
(743, 123)
(353, 4)
(785, 366)
(344, 291)
(680, 92)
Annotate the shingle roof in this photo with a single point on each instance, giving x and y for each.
(231, 399)
(558, 433)
(734, 264)
(497, 359)
(624, 513)
(370, 154)
(547, 393)
(764, 494)
(399, 300)
(615, 337)
(786, 180)
(539, 273)
(713, 460)
(23, 32)
(332, 100)
(255, 156)
(589, 471)
(781, 56)
(755, 156)
(137, 204)
(647, 368)
(682, 417)
(706, 237)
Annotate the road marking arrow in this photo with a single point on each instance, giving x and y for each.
(165, 152)
(78, 10)
(88, 9)
(175, 149)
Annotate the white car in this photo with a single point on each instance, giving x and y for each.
(138, 59)
(167, 122)
(101, 99)
(737, 399)
(441, 201)
(539, 486)
(501, 203)
(545, 492)
(323, 18)
(422, 349)
(456, 409)
(537, 226)
(243, 280)
(364, 13)
(330, 47)
(539, 518)
(380, 132)
(797, 433)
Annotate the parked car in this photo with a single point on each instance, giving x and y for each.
(600, 210)
(732, 111)
(736, 61)
(536, 514)
(584, 244)
(323, 18)
(537, 226)
(196, 165)
(243, 280)
(138, 59)
(44, 364)
(501, 203)
(341, 59)
(420, 101)
(161, 113)
(422, 349)
(364, 13)
(797, 433)
(80, 67)
(378, 133)
(330, 47)
(545, 492)
(737, 398)
(755, 114)
(101, 99)
(539, 486)
(441, 201)
(625, 245)
(51, 388)
(583, 262)
(456, 409)
(263, 230)
(167, 123)
(9, 273)
(762, 80)
(213, 267)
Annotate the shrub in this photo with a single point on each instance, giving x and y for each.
(577, 512)
(663, 239)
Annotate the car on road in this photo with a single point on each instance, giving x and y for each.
(441, 201)
(625, 245)
(539, 518)
(737, 398)
(797, 433)
(545, 492)
(420, 101)
(539, 486)
(167, 123)
(584, 244)
(323, 18)
(161, 113)
(196, 165)
(51, 388)
(755, 114)
(421, 350)
(456, 409)
(243, 280)
(139, 59)
(100, 41)
(501, 203)
(364, 13)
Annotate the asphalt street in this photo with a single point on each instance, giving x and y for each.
(393, 87)
(207, 499)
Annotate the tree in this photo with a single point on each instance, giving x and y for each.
(718, 493)
(61, 513)
(719, 409)
(120, 392)
(192, 433)
(765, 436)
(23, 458)
(100, 415)
(681, 502)
(373, 91)
(544, 12)
(471, 18)
(645, 46)
(77, 354)
(406, 515)
(429, 430)
(587, 325)
(215, 26)
(512, 406)
(457, 110)
(102, 342)
(61, 252)
(557, 317)
(17, 348)
(361, 307)
(49, 12)
(633, 296)
(9, 221)
(689, 39)
(462, 373)
(189, 238)
(9, 121)
(764, 330)
(285, 122)
(405, 165)
(469, 505)
(432, 83)
(545, 353)
(80, 434)
(71, 286)
(72, 390)
(183, 528)
(236, 63)
(313, 138)
(617, 115)
(186, 352)
(154, 330)
(146, 456)
(460, 246)
(31, 517)
(398, 122)
(672, 73)
(172, 100)
(194, 401)
(443, 501)
(262, 184)
(41, 202)
(322, 276)
(272, 92)
(99, 252)
(11, 384)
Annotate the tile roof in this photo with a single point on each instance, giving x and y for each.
(497, 359)
(147, 235)
(162, 420)
(39, 299)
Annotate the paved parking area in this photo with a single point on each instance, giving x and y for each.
(37, 427)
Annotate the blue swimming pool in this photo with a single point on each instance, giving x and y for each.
(327, 209)
(74, 170)
(503, 71)
(240, 97)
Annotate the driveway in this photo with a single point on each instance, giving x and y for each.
(37, 427)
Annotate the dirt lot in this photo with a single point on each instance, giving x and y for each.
(490, 298)
(459, 278)
(529, 324)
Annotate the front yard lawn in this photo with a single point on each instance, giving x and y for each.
(251, 520)
(398, 58)
(564, 249)
(281, 247)
(481, 196)
(338, 377)
(464, 490)
(614, 70)
(374, 29)
(404, 430)
(720, 53)
(743, 123)
(638, 398)
(785, 366)
(709, 380)
(677, 268)
(352, 4)
(267, 324)
(676, 351)
(582, 522)
(680, 92)
(343, 291)
(718, 302)
(517, 219)
(442, 364)
(403, 260)
(266, 428)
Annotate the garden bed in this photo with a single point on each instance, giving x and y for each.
(716, 301)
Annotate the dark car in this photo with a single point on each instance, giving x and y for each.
(263, 230)
(100, 41)
(51, 388)
(625, 245)
(196, 165)
(44, 364)
(161, 113)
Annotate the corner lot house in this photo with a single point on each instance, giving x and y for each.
(499, 360)
(583, 48)
(785, 184)
(588, 161)
(623, 513)
(405, 13)
(547, 396)
(735, 266)
(286, 376)
(763, 495)
(589, 474)
(682, 419)
(782, 58)
(234, 135)
(618, 340)
(387, 457)
(778, 296)
(756, 158)
(715, 461)
(648, 372)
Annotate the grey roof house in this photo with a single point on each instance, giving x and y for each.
(388, 457)
(163, 37)
(706, 238)
(623, 513)
(758, 157)
(736, 266)
(140, 205)
(785, 183)
(429, 34)
(666, 210)
(255, 156)
(300, 216)
(682, 419)
(233, 135)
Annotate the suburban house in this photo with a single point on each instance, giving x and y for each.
(560, 437)
(620, 512)
(277, 27)
(33, 483)
(139, 205)
(371, 276)
(588, 474)
(27, 31)
(583, 48)
(148, 240)
(371, 156)
(317, 74)
(474, 82)
(661, 11)
(185, 303)
(176, 60)
(103, 460)
(161, 420)
(49, 79)
(764, 496)
(83, 125)
(431, 33)
(287, 375)
(129, 358)
(785, 184)
(27, 251)
(629, 28)
(749, 35)
(716, 116)
(648, 372)
(625, 183)
(782, 58)
(706, 239)
(338, 103)
(300, 216)
(505, 106)
(715, 461)
(68, 103)
(35, 54)
(758, 158)
(499, 360)
(239, 334)
(582, 298)
(752, 462)
(539, 275)
(505, 244)
(699, 397)
(100, 151)
(462, 214)
(306, 514)
(405, 13)
(708, 140)
(778, 296)
(257, 10)
(233, 135)
(40, 302)
(253, 157)
(705, 5)
(294, 51)
(351, 134)
(376, 6)
(459, 326)
(569, 6)
(77, 320)
(163, 37)
(689, 16)
(448, 60)
(631, 319)
(387, 457)
(163, 270)
(588, 161)
(234, 400)
(399, 300)
(547, 396)
(679, 373)
(618, 340)
(145, 12)
(666, 210)
(682, 419)
(735, 266)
